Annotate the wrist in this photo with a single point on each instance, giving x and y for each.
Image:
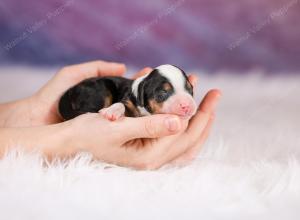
(56, 141)
(51, 140)
(16, 113)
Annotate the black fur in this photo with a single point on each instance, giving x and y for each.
(90, 94)
(152, 88)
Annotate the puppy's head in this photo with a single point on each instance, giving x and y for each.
(165, 90)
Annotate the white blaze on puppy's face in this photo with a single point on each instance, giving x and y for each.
(174, 75)
(181, 102)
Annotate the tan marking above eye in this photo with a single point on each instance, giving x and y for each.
(155, 106)
(167, 86)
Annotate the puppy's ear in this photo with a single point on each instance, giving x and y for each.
(141, 93)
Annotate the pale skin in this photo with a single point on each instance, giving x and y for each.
(142, 143)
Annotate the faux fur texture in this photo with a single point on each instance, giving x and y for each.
(249, 168)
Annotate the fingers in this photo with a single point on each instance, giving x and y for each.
(210, 101)
(206, 108)
(199, 127)
(71, 75)
(144, 71)
(94, 69)
(204, 135)
(153, 126)
(193, 79)
(192, 152)
(165, 152)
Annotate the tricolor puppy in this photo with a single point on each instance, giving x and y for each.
(164, 90)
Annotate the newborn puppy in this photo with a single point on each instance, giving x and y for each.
(165, 90)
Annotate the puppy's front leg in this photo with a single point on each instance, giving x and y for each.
(113, 112)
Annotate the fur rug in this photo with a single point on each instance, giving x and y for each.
(249, 168)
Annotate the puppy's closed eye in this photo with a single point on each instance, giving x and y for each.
(161, 95)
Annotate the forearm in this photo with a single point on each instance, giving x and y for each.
(50, 140)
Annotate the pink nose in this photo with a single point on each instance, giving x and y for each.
(184, 108)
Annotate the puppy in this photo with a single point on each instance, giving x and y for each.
(164, 90)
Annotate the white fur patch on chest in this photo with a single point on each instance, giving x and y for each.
(143, 111)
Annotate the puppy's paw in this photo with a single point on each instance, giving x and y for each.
(113, 112)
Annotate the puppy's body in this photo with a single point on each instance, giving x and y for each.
(165, 90)
(94, 94)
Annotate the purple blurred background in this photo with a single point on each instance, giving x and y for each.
(193, 34)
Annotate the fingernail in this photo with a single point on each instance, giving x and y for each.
(172, 124)
(196, 79)
(149, 69)
(219, 93)
(217, 100)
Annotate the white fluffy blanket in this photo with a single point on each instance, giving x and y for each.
(249, 168)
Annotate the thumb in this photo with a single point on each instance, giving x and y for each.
(153, 126)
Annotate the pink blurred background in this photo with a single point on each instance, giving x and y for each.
(207, 34)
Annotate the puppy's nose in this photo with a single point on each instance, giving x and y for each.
(185, 108)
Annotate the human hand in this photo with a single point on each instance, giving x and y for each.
(45, 101)
(143, 143)
(136, 142)
(205, 106)
(41, 108)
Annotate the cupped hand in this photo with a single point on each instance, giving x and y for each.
(143, 143)
(146, 142)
